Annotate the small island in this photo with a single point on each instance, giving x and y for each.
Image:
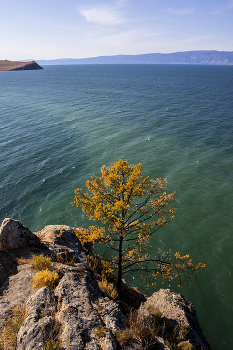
(6, 65)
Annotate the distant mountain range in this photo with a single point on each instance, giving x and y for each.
(187, 57)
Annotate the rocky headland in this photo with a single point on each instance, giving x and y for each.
(6, 65)
(81, 310)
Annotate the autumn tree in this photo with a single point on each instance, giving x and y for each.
(132, 209)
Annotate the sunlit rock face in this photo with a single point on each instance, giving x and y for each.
(14, 235)
(76, 313)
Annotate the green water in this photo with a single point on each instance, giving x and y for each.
(60, 125)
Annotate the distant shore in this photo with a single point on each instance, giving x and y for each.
(203, 57)
(16, 65)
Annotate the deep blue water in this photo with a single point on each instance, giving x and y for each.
(58, 126)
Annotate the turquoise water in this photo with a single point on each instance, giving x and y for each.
(59, 125)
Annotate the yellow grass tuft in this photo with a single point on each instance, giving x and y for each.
(41, 262)
(45, 278)
(108, 288)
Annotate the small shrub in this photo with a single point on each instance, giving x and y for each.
(185, 346)
(170, 344)
(51, 333)
(108, 288)
(66, 258)
(126, 337)
(52, 344)
(41, 262)
(100, 266)
(45, 278)
(143, 330)
(172, 334)
(154, 311)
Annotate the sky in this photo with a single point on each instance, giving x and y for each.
(52, 29)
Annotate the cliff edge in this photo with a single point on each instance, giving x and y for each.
(80, 311)
(15, 65)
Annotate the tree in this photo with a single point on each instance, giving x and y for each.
(132, 209)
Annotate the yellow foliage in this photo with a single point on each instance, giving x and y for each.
(45, 278)
(185, 346)
(101, 266)
(94, 234)
(108, 288)
(132, 209)
(41, 262)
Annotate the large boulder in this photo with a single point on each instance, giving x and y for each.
(14, 235)
(56, 237)
(179, 315)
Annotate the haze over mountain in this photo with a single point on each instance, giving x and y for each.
(210, 57)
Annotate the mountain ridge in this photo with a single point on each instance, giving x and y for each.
(203, 57)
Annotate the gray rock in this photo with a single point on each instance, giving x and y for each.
(38, 325)
(77, 313)
(87, 317)
(6, 266)
(178, 311)
(60, 235)
(16, 291)
(14, 235)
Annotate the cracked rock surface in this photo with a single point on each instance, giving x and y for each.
(86, 318)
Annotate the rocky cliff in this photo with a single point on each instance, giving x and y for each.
(78, 311)
(15, 65)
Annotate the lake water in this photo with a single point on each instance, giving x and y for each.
(58, 126)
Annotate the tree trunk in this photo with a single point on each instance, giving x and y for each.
(119, 265)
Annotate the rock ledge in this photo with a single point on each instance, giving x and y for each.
(77, 313)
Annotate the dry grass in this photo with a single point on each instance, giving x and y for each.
(108, 288)
(143, 331)
(51, 341)
(52, 344)
(23, 261)
(65, 258)
(9, 65)
(8, 337)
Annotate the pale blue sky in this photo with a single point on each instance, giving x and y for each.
(49, 29)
